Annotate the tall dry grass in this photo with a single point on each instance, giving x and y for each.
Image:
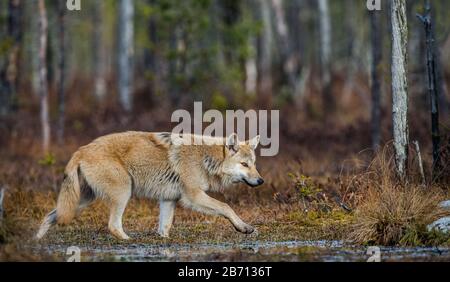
(394, 212)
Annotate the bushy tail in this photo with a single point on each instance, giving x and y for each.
(48, 222)
(68, 201)
(69, 197)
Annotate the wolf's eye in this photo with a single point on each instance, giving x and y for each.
(244, 164)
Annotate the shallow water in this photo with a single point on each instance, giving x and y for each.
(326, 251)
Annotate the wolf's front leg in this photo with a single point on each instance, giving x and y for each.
(200, 201)
(166, 212)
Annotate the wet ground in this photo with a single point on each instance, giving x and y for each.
(321, 251)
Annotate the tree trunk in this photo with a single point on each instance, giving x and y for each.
(43, 87)
(400, 85)
(99, 52)
(297, 41)
(9, 72)
(62, 69)
(433, 89)
(173, 87)
(33, 28)
(251, 63)
(2, 197)
(126, 38)
(265, 82)
(377, 47)
(251, 71)
(289, 59)
(151, 56)
(230, 13)
(325, 53)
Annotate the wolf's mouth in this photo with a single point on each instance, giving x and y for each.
(248, 183)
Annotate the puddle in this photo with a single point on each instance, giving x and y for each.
(324, 251)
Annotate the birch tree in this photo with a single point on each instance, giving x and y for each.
(43, 87)
(126, 52)
(265, 82)
(2, 197)
(251, 71)
(99, 52)
(251, 63)
(325, 51)
(287, 56)
(400, 84)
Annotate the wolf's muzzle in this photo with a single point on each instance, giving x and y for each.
(259, 181)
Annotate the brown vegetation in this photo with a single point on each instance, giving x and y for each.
(396, 213)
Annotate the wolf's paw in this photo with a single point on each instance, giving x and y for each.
(163, 234)
(119, 234)
(246, 229)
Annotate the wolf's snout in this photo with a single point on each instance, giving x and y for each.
(259, 181)
(254, 182)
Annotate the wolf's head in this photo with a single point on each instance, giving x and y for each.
(239, 163)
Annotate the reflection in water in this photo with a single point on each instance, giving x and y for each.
(255, 251)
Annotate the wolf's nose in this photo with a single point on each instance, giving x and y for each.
(260, 181)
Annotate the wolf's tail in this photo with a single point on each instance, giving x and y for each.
(68, 200)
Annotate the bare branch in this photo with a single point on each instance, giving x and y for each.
(419, 160)
(2, 196)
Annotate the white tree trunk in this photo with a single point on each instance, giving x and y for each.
(288, 58)
(400, 84)
(43, 87)
(2, 197)
(325, 57)
(251, 72)
(99, 57)
(265, 54)
(325, 40)
(126, 39)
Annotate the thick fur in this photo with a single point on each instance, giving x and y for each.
(158, 166)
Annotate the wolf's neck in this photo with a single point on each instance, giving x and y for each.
(212, 165)
(218, 180)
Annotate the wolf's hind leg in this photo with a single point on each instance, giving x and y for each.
(111, 182)
(166, 213)
(117, 208)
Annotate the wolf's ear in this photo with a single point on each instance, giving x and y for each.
(253, 143)
(232, 143)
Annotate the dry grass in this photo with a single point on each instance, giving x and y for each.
(275, 222)
(394, 213)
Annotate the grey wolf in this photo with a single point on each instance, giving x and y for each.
(118, 166)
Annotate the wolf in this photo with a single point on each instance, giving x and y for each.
(159, 166)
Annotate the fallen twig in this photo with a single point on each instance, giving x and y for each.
(419, 159)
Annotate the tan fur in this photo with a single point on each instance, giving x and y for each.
(154, 165)
(69, 196)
